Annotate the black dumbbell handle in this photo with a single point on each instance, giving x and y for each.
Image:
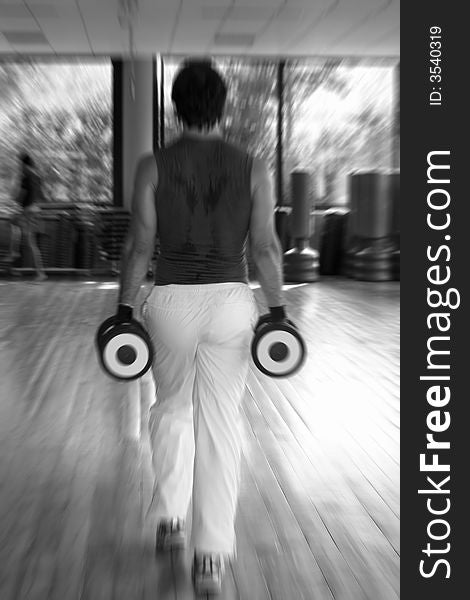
(124, 313)
(277, 313)
(268, 319)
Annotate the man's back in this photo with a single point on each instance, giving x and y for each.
(203, 203)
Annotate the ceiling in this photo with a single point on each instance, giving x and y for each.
(362, 28)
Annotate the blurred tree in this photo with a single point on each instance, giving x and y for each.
(302, 80)
(62, 115)
(10, 84)
(251, 110)
(93, 139)
(340, 121)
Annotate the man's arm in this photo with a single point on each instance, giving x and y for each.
(264, 244)
(140, 241)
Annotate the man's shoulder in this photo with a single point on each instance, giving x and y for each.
(237, 153)
(171, 145)
(147, 168)
(148, 164)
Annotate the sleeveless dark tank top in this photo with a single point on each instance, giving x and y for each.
(31, 185)
(203, 203)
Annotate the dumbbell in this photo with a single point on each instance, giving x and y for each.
(277, 348)
(124, 347)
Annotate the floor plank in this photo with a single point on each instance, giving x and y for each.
(319, 511)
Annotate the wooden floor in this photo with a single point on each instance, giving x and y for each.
(319, 506)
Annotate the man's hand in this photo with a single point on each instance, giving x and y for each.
(140, 241)
(124, 313)
(276, 314)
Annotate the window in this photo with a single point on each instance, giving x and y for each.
(61, 113)
(338, 118)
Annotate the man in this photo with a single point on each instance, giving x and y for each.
(205, 198)
(26, 223)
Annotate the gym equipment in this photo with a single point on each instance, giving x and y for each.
(278, 349)
(124, 347)
(370, 256)
(331, 241)
(301, 262)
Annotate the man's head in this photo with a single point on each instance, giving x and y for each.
(26, 160)
(199, 94)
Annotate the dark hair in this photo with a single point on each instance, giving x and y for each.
(199, 94)
(26, 159)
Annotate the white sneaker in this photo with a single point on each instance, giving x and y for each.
(170, 534)
(207, 572)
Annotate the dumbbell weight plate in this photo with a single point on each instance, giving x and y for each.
(125, 350)
(278, 349)
(105, 326)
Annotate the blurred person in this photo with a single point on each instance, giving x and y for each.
(25, 224)
(205, 198)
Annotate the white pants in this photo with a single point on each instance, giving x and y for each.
(201, 335)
